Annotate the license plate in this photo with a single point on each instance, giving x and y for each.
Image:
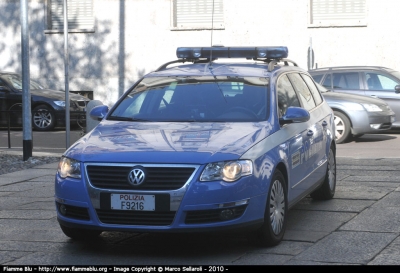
(132, 202)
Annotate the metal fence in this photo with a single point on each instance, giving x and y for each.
(81, 122)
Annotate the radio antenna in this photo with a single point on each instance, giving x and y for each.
(212, 29)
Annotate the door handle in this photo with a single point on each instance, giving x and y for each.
(374, 96)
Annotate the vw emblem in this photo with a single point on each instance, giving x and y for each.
(136, 176)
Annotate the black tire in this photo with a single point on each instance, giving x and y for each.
(342, 127)
(357, 135)
(327, 190)
(272, 231)
(43, 118)
(80, 234)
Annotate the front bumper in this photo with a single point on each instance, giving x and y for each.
(195, 206)
(371, 122)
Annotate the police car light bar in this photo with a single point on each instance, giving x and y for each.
(265, 52)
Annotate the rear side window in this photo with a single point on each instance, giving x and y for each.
(314, 90)
(317, 78)
(346, 80)
(327, 82)
(303, 91)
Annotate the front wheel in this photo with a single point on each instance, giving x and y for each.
(327, 190)
(272, 231)
(342, 127)
(43, 118)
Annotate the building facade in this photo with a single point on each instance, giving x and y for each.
(112, 43)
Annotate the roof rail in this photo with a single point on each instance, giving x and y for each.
(164, 66)
(272, 63)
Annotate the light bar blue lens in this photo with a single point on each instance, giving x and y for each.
(268, 52)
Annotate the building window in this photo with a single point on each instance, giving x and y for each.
(337, 13)
(80, 16)
(197, 14)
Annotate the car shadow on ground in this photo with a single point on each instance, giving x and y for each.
(373, 138)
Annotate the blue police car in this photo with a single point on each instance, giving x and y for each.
(222, 138)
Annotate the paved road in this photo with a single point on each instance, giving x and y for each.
(53, 142)
(360, 226)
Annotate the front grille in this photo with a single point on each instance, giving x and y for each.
(81, 103)
(131, 217)
(75, 212)
(157, 178)
(212, 216)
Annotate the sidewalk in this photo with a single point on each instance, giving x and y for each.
(360, 226)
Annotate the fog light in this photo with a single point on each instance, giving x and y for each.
(227, 214)
(375, 126)
(63, 209)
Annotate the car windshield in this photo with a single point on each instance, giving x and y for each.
(16, 82)
(200, 98)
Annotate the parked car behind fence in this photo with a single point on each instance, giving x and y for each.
(48, 106)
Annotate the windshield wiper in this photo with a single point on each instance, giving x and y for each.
(126, 119)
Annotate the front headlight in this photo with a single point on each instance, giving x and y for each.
(68, 167)
(228, 171)
(60, 103)
(372, 107)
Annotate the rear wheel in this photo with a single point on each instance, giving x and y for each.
(272, 231)
(342, 127)
(80, 234)
(43, 118)
(327, 189)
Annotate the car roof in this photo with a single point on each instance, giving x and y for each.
(240, 69)
(324, 69)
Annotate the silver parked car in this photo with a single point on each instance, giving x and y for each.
(371, 81)
(356, 115)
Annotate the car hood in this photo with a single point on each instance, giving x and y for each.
(346, 97)
(160, 142)
(56, 94)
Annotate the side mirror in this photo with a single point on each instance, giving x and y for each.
(397, 89)
(295, 115)
(99, 112)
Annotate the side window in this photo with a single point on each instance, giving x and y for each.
(199, 14)
(327, 82)
(337, 13)
(286, 95)
(80, 16)
(377, 81)
(303, 91)
(314, 90)
(317, 78)
(346, 80)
